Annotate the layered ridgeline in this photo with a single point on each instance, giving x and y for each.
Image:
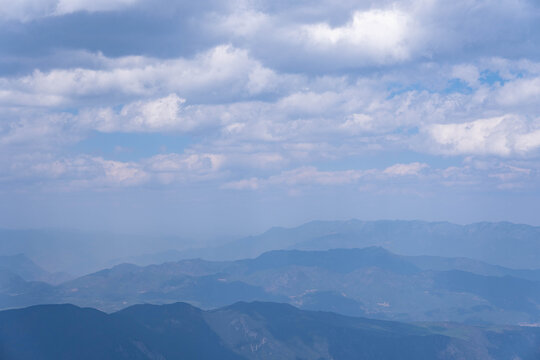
(245, 331)
(501, 243)
(77, 252)
(369, 282)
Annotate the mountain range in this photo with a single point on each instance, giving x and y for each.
(359, 282)
(500, 243)
(256, 330)
(78, 252)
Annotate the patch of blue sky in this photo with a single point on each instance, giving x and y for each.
(457, 86)
(491, 77)
(131, 146)
(409, 130)
(452, 86)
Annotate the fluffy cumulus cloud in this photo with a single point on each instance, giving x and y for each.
(503, 136)
(374, 36)
(220, 73)
(307, 37)
(163, 114)
(262, 95)
(520, 91)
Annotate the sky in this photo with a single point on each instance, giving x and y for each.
(209, 118)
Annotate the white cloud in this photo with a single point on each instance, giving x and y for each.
(94, 172)
(399, 177)
(243, 22)
(120, 173)
(501, 136)
(80, 171)
(187, 167)
(277, 97)
(322, 36)
(520, 91)
(311, 120)
(485, 136)
(528, 142)
(30, 130)
(405, 169)
(466, 72)
(200, 163)
(376, 34)
(358, 123)
(223, 72)
(304, 125)
(251, 184)
(164, 114)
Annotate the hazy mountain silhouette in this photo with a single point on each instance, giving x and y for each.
(360, 282)
(501, 243)
(256, 330)
(80, 252)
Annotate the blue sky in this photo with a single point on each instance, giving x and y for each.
(212, 117)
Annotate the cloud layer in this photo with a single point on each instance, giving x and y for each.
(414, 96)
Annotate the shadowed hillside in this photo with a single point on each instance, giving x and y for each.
(244, 331)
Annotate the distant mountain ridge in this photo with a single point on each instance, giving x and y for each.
(78, 252)
(339, 260)
(360, 282)
(501, 243)
(257, 330)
